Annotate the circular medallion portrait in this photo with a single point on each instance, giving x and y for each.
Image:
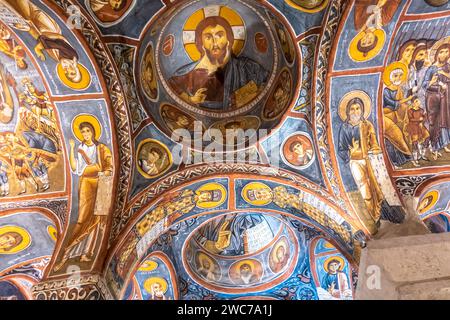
(78, 78)
(13, 239)
(175, 119)
(257, 193)
(207, 267)
(279, 256)
(211, 195)
(298, 151)
(153, 158)
(246, 272)
(218, 62)
(309, 6)
(52, 232)
(367, 45)
(428, 201)
(217, 70)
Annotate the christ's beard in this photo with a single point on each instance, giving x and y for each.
(217, 60)
(355, 118)
(246, 278)
(246, 273)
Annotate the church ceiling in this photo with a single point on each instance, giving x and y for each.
(120, 151)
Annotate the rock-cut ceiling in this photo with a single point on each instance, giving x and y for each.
(123, 158)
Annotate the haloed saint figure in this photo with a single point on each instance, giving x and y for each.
(91, 161)
(219, 80)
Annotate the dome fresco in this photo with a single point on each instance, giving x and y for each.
(268, 270)
(214, 149)
(251, 87)
(234, 250)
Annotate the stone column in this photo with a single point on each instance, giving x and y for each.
(403, 268)
(74, 287)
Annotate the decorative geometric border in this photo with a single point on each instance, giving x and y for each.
(320, 108)
(407, 186)
(221, 168)
(58, 206)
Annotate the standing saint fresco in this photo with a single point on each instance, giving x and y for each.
(418, 67)
(357, 139)
(336, 281)
(92, 162)
(437, 97)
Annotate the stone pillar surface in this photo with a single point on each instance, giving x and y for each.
(75, 287)
(404, 268)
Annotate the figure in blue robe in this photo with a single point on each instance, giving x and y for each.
(438, 105)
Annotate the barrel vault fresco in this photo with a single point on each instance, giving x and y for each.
(121, 163)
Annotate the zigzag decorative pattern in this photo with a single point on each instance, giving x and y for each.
(408, 185)
(319, 110)
(307, 46)
(57, 206)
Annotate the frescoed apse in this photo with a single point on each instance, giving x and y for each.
(236, 255)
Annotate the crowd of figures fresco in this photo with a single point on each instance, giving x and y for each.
(108, 110)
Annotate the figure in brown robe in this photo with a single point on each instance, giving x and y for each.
(363, 12)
